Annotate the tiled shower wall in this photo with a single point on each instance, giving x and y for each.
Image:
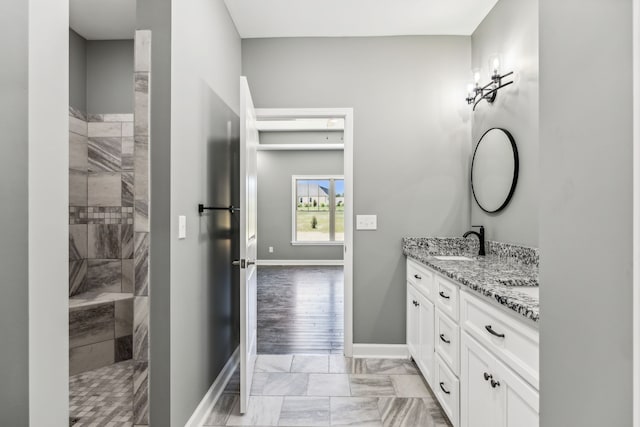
(109, 234)
(142, 137)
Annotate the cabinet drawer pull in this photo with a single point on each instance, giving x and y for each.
(443, 389)
(487, 377)
(444, 340)
(492, 332)
(444, 296)
(417, 277)
(495, 384)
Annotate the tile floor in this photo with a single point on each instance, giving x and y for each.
(331, 390)
(102, 397)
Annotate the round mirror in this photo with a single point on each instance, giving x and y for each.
(494, 170)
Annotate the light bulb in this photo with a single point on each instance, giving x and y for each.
(496, 65)
(476, 77)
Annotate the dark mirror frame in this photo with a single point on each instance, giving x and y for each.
(516, 168)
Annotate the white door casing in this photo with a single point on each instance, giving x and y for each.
(248, 242)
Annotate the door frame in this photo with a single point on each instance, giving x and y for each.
(636, 213)
(347, 115)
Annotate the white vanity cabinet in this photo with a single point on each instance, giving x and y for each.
(480, 361)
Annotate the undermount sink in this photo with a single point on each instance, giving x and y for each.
(453, 258)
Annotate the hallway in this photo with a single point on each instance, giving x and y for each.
(300, 310)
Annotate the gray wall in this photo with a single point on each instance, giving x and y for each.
(205, 300)
(155, 15)
(585, 214)
(185, 356)
(411, 149)
(511, 28)
(77, 71)
(109, 76)
(14, 276)
(275, 169)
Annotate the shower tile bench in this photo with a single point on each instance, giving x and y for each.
(100, 330)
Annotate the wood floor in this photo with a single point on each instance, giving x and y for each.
(300, 310)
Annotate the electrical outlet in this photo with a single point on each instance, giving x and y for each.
(270, 249)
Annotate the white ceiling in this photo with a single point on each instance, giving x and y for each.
(103, 19)
(356, 18)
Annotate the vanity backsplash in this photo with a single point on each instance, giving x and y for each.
(469, 247)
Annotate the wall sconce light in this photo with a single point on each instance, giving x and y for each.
(488, 92)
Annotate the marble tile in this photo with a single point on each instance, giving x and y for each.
(90, 357)
(123, 348)
(141, 328)
(127, 117)
(142, 169)
(90, 325)
(105, 189)
(141, 216)
(127, 189)
(78, 126)
(390, 366)
(77, 242)
(404, 412)
(78, 182)
(261, 411)
(355, 411)
(104, 241)
(328, 385)
(105, 154)
(141, 117)
(409, 386)
(126, 236)
(77, 276)
(233, 386)
(104, 129)
(127, 275)
(127, 129)
(142, 50)
(141, 264)
(310, 364)
(141, 392)
(103, 275)
(219, 414)
(371, 385)
(305, 411)
(93, 117)
(273, 363)
(123, 314)
(127, 153)
(78, 152)
(346, 365)
(279, 384)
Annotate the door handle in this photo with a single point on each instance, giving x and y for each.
(242, 263)
(250, 263)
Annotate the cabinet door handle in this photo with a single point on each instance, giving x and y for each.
(417, 277)
(444, 340)
(492, 332)
(443, 389)
(495, 384)
(444, 296)
(487, 377)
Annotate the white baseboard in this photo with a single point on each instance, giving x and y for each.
(381, 351)
(213, 394)
(300, 262)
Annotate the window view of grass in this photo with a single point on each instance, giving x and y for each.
(313, 211)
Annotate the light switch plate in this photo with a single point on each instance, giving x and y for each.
(182, 227)
(366, 222)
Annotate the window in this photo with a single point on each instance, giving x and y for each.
(318, 210)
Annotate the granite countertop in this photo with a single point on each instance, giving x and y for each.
(508, 274)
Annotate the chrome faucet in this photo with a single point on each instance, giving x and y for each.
(480, 237)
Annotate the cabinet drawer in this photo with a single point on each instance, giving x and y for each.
(447, 389)
(448, 341)
(512, 341)
(447, 297)
(420, 277)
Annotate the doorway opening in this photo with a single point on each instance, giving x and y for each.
(305, 205)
